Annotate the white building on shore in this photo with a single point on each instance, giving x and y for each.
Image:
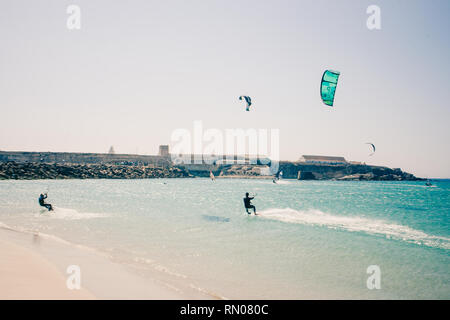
(322, 159)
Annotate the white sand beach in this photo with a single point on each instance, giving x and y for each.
(33, 266)
(25, 274)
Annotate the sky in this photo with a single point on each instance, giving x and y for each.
(138, 70)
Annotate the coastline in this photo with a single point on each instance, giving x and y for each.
(291, 170)
(33, 267)
(56, 165)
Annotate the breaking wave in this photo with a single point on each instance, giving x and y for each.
(70, 214)
(357, 224)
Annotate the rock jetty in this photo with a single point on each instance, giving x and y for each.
(32, 171)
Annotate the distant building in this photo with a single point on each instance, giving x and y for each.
(111, 150)
(164, 151)
(218, 160)
(322, 159)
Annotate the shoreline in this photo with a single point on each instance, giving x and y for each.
(33, 267)
(291, 170)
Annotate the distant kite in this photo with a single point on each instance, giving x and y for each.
(373, 148)
(248, 100)
(328, 86)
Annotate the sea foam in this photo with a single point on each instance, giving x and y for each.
(356, 224)
(71, 214)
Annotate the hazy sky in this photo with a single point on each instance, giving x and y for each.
(138, 70)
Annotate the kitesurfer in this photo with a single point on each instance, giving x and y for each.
(42, 203)
(248, 204)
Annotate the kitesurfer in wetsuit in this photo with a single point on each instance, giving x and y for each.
(42, 203)
(248, 204)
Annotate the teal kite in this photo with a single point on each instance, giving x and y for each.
(328, 86)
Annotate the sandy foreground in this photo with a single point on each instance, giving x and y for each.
(34, 267)
(26, 275)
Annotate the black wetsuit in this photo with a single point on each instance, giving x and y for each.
(248, 205)
(43, 204)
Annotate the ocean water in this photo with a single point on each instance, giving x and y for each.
(311, 240)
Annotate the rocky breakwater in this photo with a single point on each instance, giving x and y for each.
(31, 171)
(343, 172)
(304, 171)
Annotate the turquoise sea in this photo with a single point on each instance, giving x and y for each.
(312, 239)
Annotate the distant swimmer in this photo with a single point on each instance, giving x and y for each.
(42, 203)
(248, 204)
